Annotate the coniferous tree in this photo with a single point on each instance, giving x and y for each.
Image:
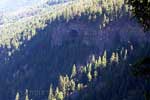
(99, 61)
(90, 17)
(96, 64)
(56, 92)
(131, 47)
(117, 57)
(74, 71)
(89, 76)
(125, 54)
(94, 17)
(104, 59)
(17, 96)
(112, 59)
(79, 86)
(62, 84)
(50, 96)
(73, 85)
(27, 97)
(84, 69)
(141, 10)
(60, 95)
(95, 74)
(93, 58)
(89, 67)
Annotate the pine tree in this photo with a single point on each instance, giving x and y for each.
(89, 76)
(74, 71)
(100, 10)
(27, 97)
(89, 66)
(72, 85)
(131, 47)
(93, 58)
(112, 59)
(95, 74)
(84, 69)
(125, 55)
(96, 64)
(90, 17)
(50, 96)
(60, 96)
(62, 84)
(79, 86)
(17, 96)
(94, 17)
(117, 58)
(99, 61)
(104, 59)
(56, 92)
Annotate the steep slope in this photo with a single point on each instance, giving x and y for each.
(35, 58)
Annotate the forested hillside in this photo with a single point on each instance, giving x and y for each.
(70, 50)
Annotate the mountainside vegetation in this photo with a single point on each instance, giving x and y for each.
(78, 49)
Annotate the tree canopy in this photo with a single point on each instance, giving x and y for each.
(141, 10)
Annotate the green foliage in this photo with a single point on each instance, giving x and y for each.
(17, 96)
(89, 67)
(104, 59)
(98, 63)
(68, 85)
(74, 72)
(141, 10)
(93, 58)
(84, 69)
(114, 57)
(89, 76)
(72, 85)
(95, 74)
(88, 7)
(63, 83)
(59, 94)
(51, 95)
(27, 97)
(125, 54)
(79, 86)
(16, 33)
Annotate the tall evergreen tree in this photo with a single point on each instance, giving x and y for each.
(117, 57)
(72, 85)
(17, 96)
(89, 76)
(79, 86)
(95, 74)
(50, 96)
(60, 96)
(93, 59)
(99, 60)
(112, 59)
(74, 71)
(125, 54)
(56, 92)
(89, 67)
(104, 59)
(62, 84)
(27, 97)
